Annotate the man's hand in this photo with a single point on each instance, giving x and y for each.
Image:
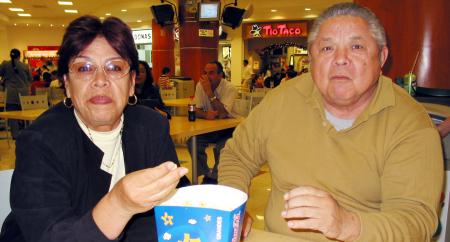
(311, 208)
(211, 115)
(246, 225)
(206, 84)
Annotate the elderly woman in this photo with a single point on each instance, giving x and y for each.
(93, 168)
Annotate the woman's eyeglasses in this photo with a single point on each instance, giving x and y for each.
(85, 69)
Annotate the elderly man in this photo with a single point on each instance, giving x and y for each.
(214, 98)
(352, 156)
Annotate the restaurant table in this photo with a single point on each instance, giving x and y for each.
(437, 109)
(257, 235)
(27, 115)
(181, 126)
(181, 102)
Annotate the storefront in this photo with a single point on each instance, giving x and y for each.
(276, 46)
(41, 59)
(143, 41)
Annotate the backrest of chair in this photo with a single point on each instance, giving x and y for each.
(33, 102)
(168, 93)
(56, 95)
(2, 98)
(42, 90)
(5, 184)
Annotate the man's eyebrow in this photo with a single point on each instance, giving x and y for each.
(356, 38)
(325, 39)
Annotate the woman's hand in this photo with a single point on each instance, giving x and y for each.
(140, 191)
(135, 193)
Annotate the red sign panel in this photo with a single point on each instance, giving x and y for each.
(275, 30)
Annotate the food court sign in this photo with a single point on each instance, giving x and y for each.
(142, 36)
(274, 30)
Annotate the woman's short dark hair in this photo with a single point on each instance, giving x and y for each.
(14, 54)
(82, 31)
(165, 70)
(148, 82)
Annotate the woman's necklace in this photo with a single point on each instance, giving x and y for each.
(116, 150)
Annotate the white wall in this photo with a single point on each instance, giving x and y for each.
(237, 55)
(22, 37)
(4, 50)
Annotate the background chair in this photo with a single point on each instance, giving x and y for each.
(56, 96)
(168, 93)
(5, 184)
(4, 122)
(42, 90)
(33, 102)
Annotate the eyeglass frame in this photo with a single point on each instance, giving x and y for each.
(102, 67)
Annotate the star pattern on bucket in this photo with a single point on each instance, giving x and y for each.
(167, 219)
(207, 218)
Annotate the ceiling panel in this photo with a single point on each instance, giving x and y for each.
(47, 12)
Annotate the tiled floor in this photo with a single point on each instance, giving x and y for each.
(259, 190)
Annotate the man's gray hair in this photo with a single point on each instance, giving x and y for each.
(350, 9)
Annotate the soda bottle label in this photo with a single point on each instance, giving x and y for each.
(191, 112)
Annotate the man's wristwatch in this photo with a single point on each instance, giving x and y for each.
(211, 99)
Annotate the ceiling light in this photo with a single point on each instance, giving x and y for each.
(51, 25)
(5, 1)
(24, 14)
(108, 14)
(16, 9)
(273, 10)
(311, 16)
(70, 10)
(139, 21)
(27, 24)
(307, 9)
(63, 25)
(39, 25)
(123, 10)
(15, 24)
(260, 217)
(65, 3)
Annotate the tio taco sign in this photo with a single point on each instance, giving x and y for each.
(275, 30)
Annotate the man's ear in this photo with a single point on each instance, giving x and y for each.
(383, 55)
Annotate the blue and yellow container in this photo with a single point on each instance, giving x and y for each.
(202, 213)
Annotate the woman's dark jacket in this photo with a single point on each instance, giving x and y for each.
(58, 181)
(151, 97)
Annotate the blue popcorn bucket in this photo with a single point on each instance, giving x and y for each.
(202, 213)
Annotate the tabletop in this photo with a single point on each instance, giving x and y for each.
(181, 102)
(181, 126)
(437, 109)
(29, 115)
(257, 235)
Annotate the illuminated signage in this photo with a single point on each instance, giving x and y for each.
(275, 30)
(142, 36)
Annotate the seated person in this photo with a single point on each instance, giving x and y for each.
(146, 92)
(37, 82)
(164, 79)
(352, 156)
(214, 98)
